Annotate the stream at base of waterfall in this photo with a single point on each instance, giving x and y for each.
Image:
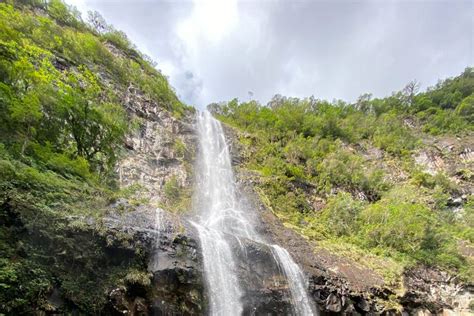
(224, 219)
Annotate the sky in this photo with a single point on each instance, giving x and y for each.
(217, 50)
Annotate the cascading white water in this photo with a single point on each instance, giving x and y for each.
(221, 217)
(219, 265)
(216, 196)
(300, 301)
(159, 220)
(215, 201)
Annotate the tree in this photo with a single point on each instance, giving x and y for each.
(62, 13)
(409, 92)
(466, 108)
(97, 22)
(364, 103)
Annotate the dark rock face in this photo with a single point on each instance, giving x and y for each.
(178, 284)
(263, 283)
(121, 303)
(177, 277)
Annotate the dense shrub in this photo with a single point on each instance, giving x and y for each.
(341, 214)
(401, 226)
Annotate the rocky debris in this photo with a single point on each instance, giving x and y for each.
(450, 156)
(435, 291)
(61, 64)
(410, 123)
(114, 50)
(431, 161)
(466, 155)
(122, 304)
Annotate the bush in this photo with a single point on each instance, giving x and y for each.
(466, 108)
(432, 181)
(137, 277)
(397, 225)
(391, 136)
(340, 214)
(343, 169)
(179, 147)
(172, 189)
(443, 121)
(64, 14)
(7, 170)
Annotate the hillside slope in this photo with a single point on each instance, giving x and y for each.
(386, 183)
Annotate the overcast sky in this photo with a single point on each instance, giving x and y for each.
(220, 49)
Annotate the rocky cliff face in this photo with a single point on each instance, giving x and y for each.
(160, 150)
(175, 265)
(340, 285)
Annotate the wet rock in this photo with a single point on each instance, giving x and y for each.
(55, 300)
(140, 306)
(121, 303)
(363, 305)
(118, 300)
(333, 303)
(175, 262)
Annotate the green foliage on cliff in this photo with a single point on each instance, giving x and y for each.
(344, 173)
(56, 104)
(63, 118)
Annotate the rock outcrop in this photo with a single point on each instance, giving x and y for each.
(160, 150)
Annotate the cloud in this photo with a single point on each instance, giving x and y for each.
(214, 50)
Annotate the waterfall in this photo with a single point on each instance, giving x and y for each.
(299, 298)
(222, 219)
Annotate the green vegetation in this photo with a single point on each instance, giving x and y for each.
(343, 174)
(177, 197)
(63, 90)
